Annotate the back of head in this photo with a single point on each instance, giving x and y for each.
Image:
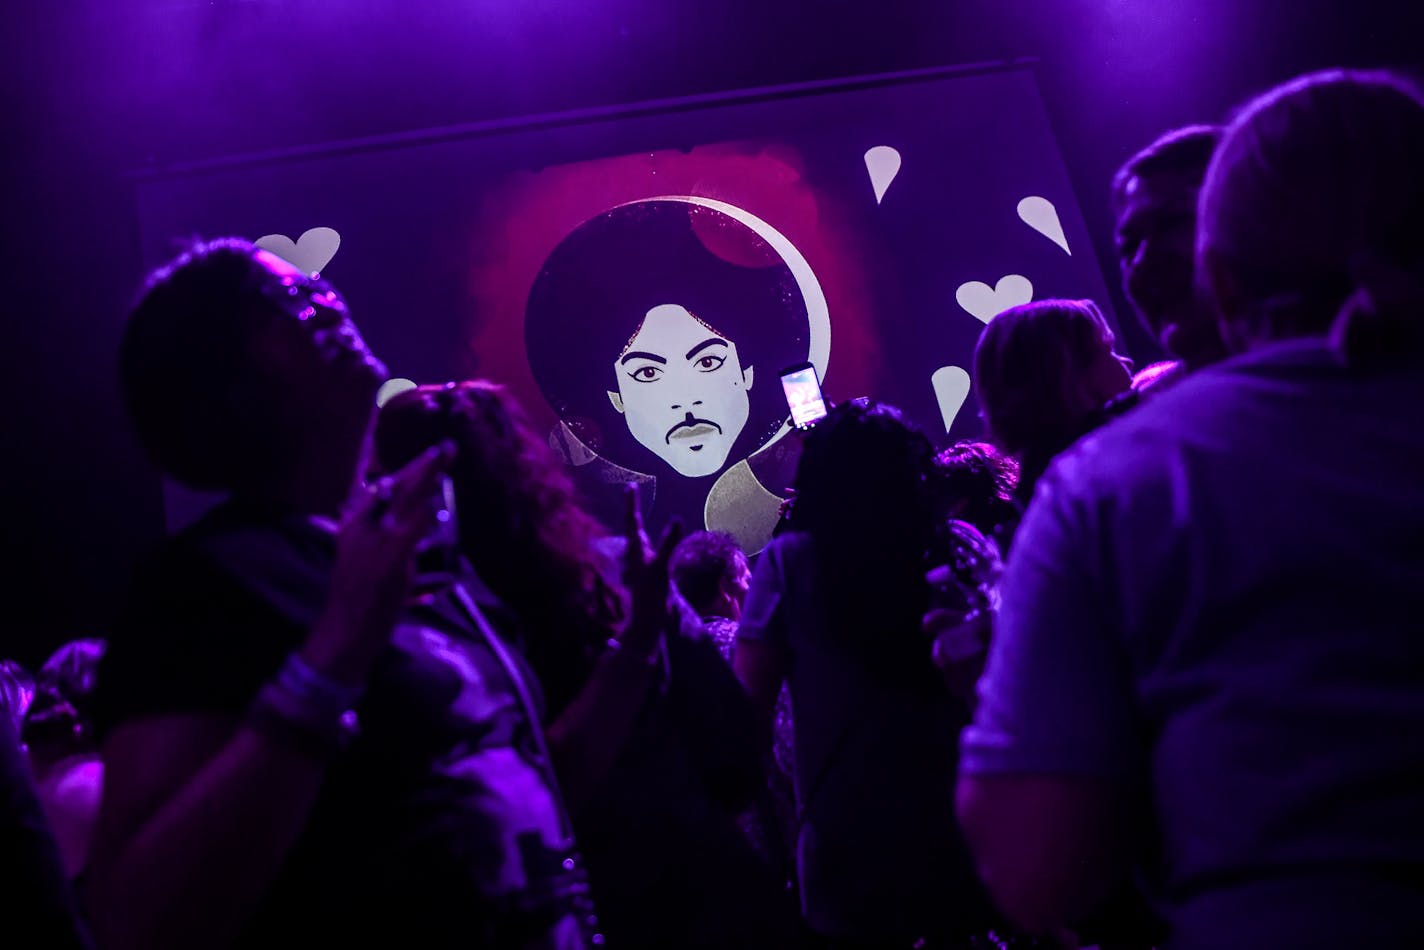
(520, 522)
(1184, 152)
(702, 565)
(185, 362)
(862, 494)
(975, 482)
(1031, 367)
(60, 720)
(863, 473)
(506, 477)
(1309, 216)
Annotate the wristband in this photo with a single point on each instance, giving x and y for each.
(305, 711)
(265, 718)
(297, 676)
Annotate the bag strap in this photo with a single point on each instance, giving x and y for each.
(513, 670)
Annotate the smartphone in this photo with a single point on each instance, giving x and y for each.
(803, 395)
(439, 551)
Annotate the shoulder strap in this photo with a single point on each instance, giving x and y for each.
(521, 689)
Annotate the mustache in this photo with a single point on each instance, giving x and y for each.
(688, 423)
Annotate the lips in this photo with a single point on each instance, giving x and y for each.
(693, 432)
(692, 429)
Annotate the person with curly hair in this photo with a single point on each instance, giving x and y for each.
(650, 735)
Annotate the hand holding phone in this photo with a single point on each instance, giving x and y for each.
(803, 395)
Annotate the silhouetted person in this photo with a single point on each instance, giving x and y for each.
(650, 733)
(975, 482)
(712, 574)
(1155, 202)
(834, 611)
(293, 757)
(1043, 374)
(1207, 663)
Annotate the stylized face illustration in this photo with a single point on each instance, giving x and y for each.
(682, 390)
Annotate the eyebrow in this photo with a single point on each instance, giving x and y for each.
(713, 341)
(640, 355)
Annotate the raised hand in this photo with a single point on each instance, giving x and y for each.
(375, 548)
(959, 644)
(645, 574)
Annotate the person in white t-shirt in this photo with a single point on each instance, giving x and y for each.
(1208, 663)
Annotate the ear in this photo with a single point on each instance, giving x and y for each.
(748, 376)
(1219, 292)
(616, 399)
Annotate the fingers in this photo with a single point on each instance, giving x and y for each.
(369, 501)
(633, 530)
(401, 506)
(413, 487)
(672, 534)
(632, 511)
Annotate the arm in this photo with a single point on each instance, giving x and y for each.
(1050, 848)
(200, 811)
(761, 668)
(1047, 767)
(762, 660)
(190, 833)
(587, 737)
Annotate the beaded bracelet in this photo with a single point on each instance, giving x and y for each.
(306, 711)
(307, 683)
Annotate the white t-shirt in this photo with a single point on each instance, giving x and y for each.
(1221, 595)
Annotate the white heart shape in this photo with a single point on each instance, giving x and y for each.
(308, 253)
(987, 302)
(883, 164)
(951, 388)
(1039, 214)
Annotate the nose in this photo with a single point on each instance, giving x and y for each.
(695, 402)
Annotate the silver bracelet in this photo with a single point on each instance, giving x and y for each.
(305, 711)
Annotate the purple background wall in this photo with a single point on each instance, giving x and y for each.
(95, 87)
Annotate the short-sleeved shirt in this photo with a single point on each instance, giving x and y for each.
(878, 849)
(439, 826)
(1221, 597)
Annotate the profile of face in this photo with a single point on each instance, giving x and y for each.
(1107, 374)
(320, 353)
(741, 581)
(682, 390)
(1156, 238)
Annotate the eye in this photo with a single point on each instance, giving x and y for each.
(709, 363)
(646, 374)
